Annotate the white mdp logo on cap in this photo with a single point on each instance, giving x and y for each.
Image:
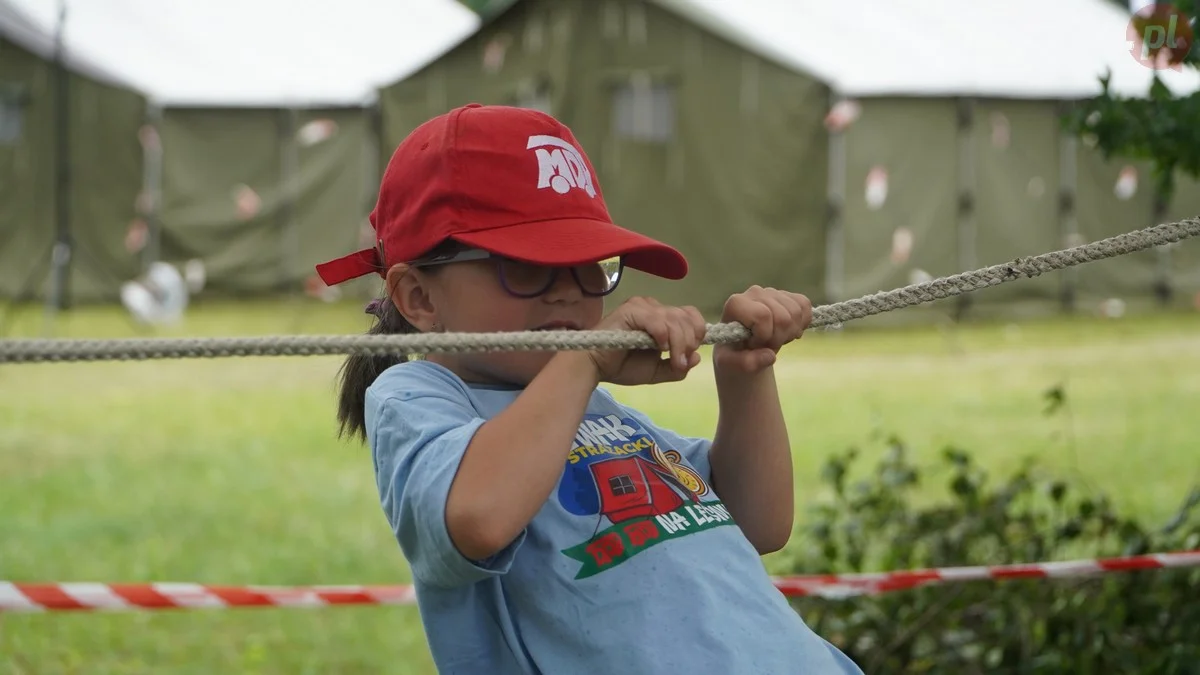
(560, 165)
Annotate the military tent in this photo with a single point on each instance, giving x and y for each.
(70, 173)
(261, 150)
(836, 149)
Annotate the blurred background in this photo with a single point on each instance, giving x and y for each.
(178, 167)
(801, 145)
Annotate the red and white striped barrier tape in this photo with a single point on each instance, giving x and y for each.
(21, 597)
(849, 585)
(24, 597)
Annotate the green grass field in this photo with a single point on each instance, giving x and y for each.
(226, 471)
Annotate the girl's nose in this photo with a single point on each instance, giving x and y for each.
(564, 288)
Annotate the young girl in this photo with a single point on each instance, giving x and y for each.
(549, 528)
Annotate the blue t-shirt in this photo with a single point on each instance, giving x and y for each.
(632, 565)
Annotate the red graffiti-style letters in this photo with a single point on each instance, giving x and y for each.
(604, 549)
(641, 532)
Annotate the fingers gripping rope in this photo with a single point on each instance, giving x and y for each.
(15, 351)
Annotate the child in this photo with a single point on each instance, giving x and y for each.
(549, 528)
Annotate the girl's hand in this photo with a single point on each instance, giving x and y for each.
(774, 318)
(677, 330)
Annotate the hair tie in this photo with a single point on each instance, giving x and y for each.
(374, 306)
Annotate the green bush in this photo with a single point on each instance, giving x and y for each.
(1157, 126)
(1128, 622)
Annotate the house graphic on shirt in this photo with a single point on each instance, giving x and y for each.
(630, 494)
(631, 487)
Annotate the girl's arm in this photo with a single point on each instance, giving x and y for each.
(515, 459)
(751, 458)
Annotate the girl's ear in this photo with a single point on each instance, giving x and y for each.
(411, 297)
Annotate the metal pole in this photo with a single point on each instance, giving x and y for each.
(60, 258)
(835, 200)
(1067, 219)
(290, 170)
(1163, 291)
(152, 182)
(967, 224)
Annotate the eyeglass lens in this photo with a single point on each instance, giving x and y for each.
(529, 280)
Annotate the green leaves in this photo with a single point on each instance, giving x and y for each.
(1139, 622)
(1159, 128)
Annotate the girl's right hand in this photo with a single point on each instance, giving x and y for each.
(677, 330)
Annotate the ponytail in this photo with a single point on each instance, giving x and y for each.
(360, 370)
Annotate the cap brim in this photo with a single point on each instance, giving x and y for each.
(577, 241)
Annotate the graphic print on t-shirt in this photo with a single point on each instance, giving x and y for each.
(638, 494)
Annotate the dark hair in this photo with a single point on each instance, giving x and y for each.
(360, 370)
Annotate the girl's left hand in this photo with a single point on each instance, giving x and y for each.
(774, 319)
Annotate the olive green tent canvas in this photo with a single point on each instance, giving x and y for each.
(713, 133)
(745, 205)
(261, 195)
(261, 152)
(105, 178)
(258, 195)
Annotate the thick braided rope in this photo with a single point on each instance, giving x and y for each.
(34, 350)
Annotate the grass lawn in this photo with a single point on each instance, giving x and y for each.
(225, 471)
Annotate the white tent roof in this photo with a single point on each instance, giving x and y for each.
(1001, 48)
(302, 53)
(17, 27)
(257, 53)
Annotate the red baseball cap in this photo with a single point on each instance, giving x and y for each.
(512, 181)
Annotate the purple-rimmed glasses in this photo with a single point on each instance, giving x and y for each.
(527, 280)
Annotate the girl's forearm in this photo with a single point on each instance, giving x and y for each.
(515, 459)
(751, 458)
